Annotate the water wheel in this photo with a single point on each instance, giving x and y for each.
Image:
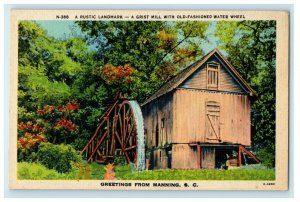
(120, 132)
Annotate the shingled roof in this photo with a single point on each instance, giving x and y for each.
(182, 76)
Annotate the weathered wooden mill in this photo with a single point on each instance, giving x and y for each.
(200, 119)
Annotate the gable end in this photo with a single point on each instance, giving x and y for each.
(232, 79)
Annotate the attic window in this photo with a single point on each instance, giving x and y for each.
(212, 76)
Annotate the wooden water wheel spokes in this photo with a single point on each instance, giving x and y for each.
(126, 131)
(120, 131)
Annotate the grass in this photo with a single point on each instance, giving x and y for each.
(97, 171)
(81, 171)
(34, 171)
(94, 171)
(169, 174)
(122, 171)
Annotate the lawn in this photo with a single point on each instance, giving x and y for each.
(34, 171)
(97, 171)
(94, 171)
(82, 171)
(170, 174)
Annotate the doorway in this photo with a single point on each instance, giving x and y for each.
(222, 155)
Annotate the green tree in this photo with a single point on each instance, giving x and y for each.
(45, 71)
(156, 50)
(51, 73)
(54, 72)
(251, 48)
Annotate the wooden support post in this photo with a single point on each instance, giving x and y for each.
(250, 154)
(97, 146)
(124, 131)
(147, 164)
(198, 155)
(240, 156)
(106, 148)
(93, 144)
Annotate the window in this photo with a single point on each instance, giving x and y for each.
(212, 76)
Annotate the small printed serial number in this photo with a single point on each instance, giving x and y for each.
(62, 17)
(268, 183)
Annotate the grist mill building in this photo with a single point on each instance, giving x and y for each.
(200, 118)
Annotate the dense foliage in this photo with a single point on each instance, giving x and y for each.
(79, 171)
(34, 171)
(251, 47)
(155, 51)
(57, 157)
(130, 59)
(65, 85)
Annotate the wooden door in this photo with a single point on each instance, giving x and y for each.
(212, 126)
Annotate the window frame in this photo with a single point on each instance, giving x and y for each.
(212, 67)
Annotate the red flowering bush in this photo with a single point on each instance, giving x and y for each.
(30, 140)
(57, 120)
(66, 124)
(46, 110)
(30, 137)
(29, 126)
(52, 124)
(70, 107)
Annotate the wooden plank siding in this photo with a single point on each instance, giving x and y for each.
(160, 159)
(208, 157)
(226, 82)
(190, 117)
(197, 80)
(184, 157)
(153, 114)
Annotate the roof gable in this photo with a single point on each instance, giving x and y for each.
(187, 73)
(227, 82)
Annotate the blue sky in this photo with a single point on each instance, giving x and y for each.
(67, 29)
(60, 29)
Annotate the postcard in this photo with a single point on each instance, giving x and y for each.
(149, 100)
